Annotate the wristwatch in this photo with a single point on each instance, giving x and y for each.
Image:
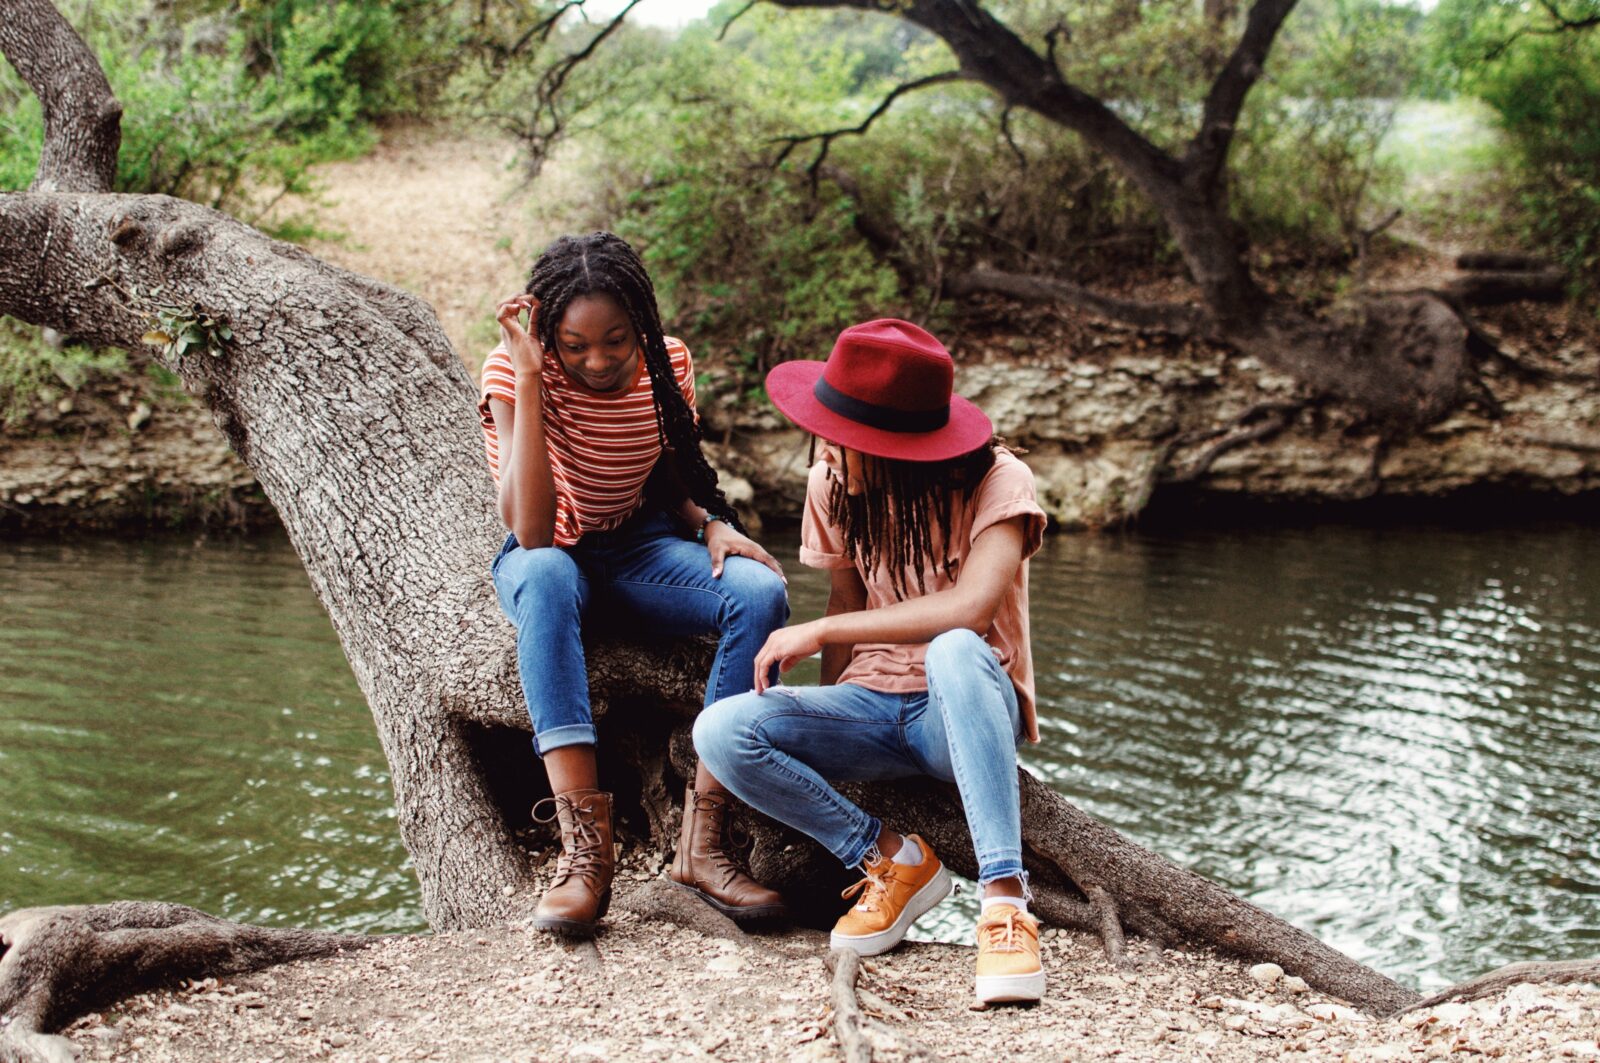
(700, 533)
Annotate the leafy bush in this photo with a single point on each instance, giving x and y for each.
(32, 370)
(1306, 167)
(231, 109)
(1543, 83)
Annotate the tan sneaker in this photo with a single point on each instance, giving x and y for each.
(893, 896)
(1008, 957)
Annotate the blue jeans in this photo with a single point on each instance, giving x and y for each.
(778, 750)
(647, 570)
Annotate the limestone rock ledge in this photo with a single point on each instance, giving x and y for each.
(1106, 428)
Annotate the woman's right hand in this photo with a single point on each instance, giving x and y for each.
(522, 344)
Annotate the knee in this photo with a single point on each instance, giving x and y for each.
(755, 592)
(959, 649)
(725, 734)
(544, 575)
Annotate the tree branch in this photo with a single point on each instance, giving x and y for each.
(1176, 318)
(82, 119)
(827, 138)
(990, 53)
(1208, 151)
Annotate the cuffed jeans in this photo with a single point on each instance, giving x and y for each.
(645, 569)
(776, 751)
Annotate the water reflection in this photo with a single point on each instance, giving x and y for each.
(1387, 737)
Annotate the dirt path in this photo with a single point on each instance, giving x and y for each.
(443, 214)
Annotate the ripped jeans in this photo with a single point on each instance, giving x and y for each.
(776, 751)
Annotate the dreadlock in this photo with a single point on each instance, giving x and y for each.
(604, 263)
(903, 517)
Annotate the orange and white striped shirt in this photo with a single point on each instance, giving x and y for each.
(602, 447)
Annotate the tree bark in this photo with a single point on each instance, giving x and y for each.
(344, 398)
(82, 119)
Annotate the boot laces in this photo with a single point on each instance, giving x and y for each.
(585, 855)
(724, 845)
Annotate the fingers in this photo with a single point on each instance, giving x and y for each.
(763, 666)
(744, 548)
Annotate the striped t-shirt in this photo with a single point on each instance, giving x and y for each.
(602, 447)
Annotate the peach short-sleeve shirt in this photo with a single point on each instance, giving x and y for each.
(1006, 491)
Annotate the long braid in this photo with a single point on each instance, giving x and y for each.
(902, 520)
(602, 262)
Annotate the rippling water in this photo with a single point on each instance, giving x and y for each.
(1388, 737)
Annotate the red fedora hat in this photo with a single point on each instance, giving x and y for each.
(885, 390)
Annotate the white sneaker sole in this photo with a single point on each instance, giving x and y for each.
(937, 889)
(1011, 988)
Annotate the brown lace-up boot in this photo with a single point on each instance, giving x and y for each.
(581, 891)
(707, 867)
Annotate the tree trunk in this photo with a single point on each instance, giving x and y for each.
(345, 400)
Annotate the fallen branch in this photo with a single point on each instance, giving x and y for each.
(1175, 318)
(1484, 288)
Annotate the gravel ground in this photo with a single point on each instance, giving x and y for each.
(650, 990)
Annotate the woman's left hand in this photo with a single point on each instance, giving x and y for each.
(724, 541)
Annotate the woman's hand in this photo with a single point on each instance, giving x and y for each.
(787, 647)
(522, 344)
(724, 541)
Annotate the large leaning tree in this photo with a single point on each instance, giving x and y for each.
(1403, 358)
(344, 398)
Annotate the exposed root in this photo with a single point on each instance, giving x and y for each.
(659, 899)
(1505, 977)
(849, 1024)
(59, 963)
(1110, 927)
(1274, 417)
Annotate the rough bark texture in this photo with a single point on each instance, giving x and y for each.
(82, 119)
(57, 963)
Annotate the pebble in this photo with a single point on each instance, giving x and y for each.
(1266, 973)
(1294, 984)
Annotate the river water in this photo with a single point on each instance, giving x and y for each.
(1387, 736)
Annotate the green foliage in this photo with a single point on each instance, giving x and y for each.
(230, 107)
(1307, 166)
(741, 252)
(32, 370)
(1543, 83)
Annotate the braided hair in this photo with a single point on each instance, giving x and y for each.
(604, 263)
(902, 519)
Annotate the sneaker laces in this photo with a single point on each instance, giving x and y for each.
(1001, 934)
(874, 888)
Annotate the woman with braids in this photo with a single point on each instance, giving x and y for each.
(925, 525)
(579, 408)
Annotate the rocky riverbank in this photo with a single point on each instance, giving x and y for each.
(647, 990)
(1111, 418)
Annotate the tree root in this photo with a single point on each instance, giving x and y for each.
(852, 1027)
(1505, 977)
(1111, 936)
(1271, 416)
(59, 963)
(848, 1021)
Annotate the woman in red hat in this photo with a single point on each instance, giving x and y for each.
(925, 525)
